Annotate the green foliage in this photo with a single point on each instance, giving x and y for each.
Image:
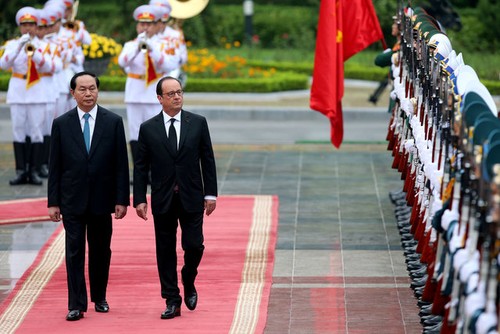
(292, 27)
(4, 82)
(302, 67)
(488, 12)
(493, 86)
(279, 82)
(112, 83)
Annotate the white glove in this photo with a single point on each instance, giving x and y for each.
(24, 39)
(142, 36)
(37, 56)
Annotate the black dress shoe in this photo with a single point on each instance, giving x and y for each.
(190, 298)
(171, 311)
(74, 315)
(102, 307)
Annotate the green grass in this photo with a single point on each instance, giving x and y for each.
(266, 55)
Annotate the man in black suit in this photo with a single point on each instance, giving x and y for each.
(88, 181)
(176, 146)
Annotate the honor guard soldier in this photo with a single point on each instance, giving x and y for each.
(75, 33)
(145, 63)
(26, 95)
(69, 52)
(173, 38)
(45, 33)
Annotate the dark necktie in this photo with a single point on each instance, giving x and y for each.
(86, 131)
(172, 135)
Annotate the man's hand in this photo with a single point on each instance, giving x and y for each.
(209, 206)
(55, 213)
(120, 211)
(142, 210)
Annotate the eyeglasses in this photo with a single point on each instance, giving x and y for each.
(171, 94)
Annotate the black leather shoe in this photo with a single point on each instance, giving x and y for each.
(21, 178)
(74, 315)
(190, 298)
(171, 311)
(34, 179)
(102, 307)
(44, 171)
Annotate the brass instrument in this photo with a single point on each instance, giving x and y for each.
(72, 24)
(29, 49)
(184, 9)
(143, 46)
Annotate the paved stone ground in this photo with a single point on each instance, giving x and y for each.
(339, 266)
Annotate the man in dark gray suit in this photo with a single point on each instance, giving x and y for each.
(88, 181)
(176, 146)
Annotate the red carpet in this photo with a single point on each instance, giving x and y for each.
(23, 211)
(233, 284)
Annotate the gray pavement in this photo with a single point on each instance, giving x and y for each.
(281, 118)
(339, 267)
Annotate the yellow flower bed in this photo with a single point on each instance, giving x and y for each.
(202, 64)
(101, 47)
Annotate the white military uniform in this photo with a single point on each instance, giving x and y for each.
(27, 97)
(73, 57)
(172, 38)
(140, 95)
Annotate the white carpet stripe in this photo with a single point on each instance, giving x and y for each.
(246, 314)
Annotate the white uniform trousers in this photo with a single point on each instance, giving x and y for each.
(28, 120)
(137, 113)
(50, 113)
(61, 105)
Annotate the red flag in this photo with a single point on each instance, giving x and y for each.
(335, 43)
(32, 76)
(328, 76)
(151, 74)
(363, 29)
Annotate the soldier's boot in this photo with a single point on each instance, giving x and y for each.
(35, 162)
(44, 167)
(21, 170)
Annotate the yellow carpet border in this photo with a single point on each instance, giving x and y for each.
(28, 293)
(246, 313)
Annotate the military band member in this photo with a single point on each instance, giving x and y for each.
(26, 95)
(69, 54)
(74, 33)
(145, 63)
(172, 36)
(48, 80)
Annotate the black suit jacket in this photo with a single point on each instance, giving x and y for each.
(95, 181)
(192, 168)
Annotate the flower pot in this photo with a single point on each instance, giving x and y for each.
(98, 66)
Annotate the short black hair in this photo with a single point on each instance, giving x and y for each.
(159, 91)
(72, 83)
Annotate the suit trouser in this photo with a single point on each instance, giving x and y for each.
(166, 252)
(98, 229)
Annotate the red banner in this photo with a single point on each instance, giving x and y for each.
(335, 43)
(328, 75)
(363, 28)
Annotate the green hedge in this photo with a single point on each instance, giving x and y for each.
(280, 82)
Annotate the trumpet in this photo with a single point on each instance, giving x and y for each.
(29, 49)
(72, 24)
(143, 46)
